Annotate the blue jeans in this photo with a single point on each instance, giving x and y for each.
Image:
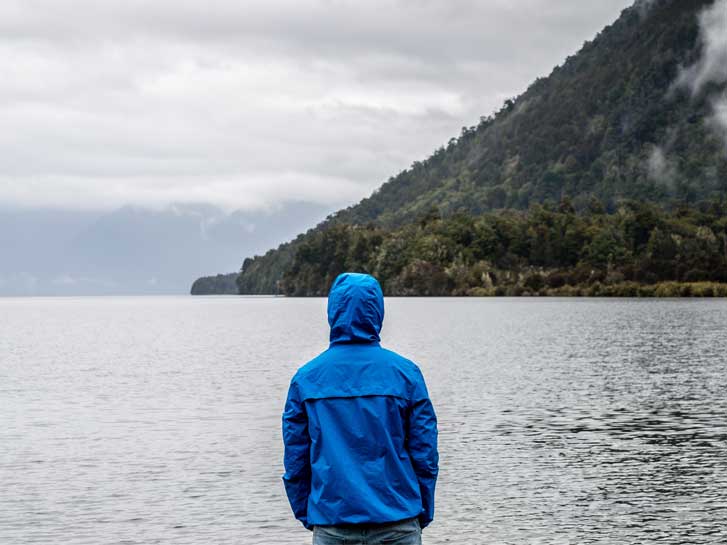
(405, 532)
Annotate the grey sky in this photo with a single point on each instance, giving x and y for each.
(247, 104)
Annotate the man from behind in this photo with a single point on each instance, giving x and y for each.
(360, 432)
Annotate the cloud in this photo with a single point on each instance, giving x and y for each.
(661, 168)
(245, 104)
(711, 67)
(718, 119)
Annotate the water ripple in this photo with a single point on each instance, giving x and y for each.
(157, 420)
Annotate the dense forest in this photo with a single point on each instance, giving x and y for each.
(613, 126)
(640, 250)
(220, 283)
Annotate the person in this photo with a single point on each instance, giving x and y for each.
(359, 431)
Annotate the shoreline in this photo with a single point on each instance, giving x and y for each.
(630, 290)
(661, 290)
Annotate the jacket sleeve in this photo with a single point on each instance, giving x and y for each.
(297, 455)
(422, 446)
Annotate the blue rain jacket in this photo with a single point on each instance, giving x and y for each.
(359, 429)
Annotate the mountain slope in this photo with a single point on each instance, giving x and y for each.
(596, 126)
(622, 119)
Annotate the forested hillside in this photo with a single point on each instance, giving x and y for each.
(214, 285)
(631, 117)
(640, 250)
(611, 122)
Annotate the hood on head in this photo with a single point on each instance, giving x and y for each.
(355, 309)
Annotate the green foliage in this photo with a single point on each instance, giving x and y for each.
(556, 251)
(221, 284)
(261, 274)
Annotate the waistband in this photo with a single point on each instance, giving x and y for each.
(373, 525)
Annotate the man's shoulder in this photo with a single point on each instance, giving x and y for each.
(405, 364)
(310, 366)
(334, 357)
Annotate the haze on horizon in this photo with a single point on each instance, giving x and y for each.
(256, 104)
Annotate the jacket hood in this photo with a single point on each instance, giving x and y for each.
(355, 309)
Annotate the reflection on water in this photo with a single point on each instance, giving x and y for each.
(156, 420)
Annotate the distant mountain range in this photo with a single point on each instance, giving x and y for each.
(135, 250)
(638, 113)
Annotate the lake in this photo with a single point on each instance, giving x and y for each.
(157, 419)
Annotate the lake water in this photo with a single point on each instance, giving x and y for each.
(157, 420)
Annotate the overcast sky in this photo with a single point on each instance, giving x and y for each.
(245, 104)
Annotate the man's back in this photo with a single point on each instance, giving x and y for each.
(359, 429)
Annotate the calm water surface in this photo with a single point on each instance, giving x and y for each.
(157, 420)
